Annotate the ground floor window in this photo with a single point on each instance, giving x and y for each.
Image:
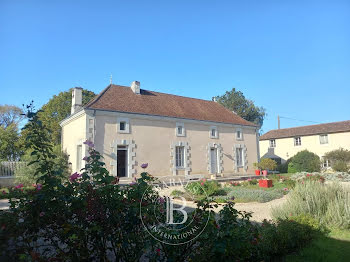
(325, 163)
(239, 157)
(79, 156)
(179, 156)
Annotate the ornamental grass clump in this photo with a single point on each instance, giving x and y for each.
(329, 204)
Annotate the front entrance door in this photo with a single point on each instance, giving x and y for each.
(214, 160)
(122, 159)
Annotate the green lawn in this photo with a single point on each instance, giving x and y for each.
(334, 247)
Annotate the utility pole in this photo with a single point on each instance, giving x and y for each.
(279, 122)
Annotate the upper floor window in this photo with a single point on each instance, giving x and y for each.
(179, 156)
(213, 132)
(323, 139)
(180, 129)
(239, 134)
(297, 141)
(272, 143)
(123, 125)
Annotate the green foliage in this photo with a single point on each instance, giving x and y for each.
(340, 166)
(243, 194)
(339, 159)
(204, 187)
(307, 219)
(304, 161)
(328, 204)
(267, 164)
(249, 182)
(57, 109)
(234, 100)
(10, 148)
(283, 237)
(283, 168)
(10, 115)
(27, 174)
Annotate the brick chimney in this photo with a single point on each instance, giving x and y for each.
(135, 87)
(77, 99)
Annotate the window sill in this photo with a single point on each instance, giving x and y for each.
(180, 168)
(123, 132)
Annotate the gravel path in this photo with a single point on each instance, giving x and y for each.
(260, 211)
(4, 204)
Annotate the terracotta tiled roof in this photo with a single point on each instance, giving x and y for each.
(123, 99)
(327, 128)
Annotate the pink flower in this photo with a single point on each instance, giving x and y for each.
(161, 200)
(89, 143)
(204, 180)
(42, 214)
(39, 187)
(132, 183)
(19, 186)
(285, 189)
(74, 176)
(85, 158)
(202, 184)
(145, 165)
(4, 192)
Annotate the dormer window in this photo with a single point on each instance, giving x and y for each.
(180, 129)
(239, 134)
(213, 132)
(123, 125)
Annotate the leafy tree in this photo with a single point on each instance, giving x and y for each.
(267, 164)
(57, 109)
(304, 161)
(234, 100)
(339, 159)
(10, 148)
(10, 114)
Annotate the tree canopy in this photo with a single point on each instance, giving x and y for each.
(10, 114)
(10, 147)
(235, 100)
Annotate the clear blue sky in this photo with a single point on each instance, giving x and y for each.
(292, 57)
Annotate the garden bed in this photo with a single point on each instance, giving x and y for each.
(239, 192)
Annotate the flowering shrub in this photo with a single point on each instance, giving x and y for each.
(204, 187)
(250, 182)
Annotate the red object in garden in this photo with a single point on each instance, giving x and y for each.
(264, 172)
(257, 172)
(265, 183)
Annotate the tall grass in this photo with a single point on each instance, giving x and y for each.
(329, 204)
